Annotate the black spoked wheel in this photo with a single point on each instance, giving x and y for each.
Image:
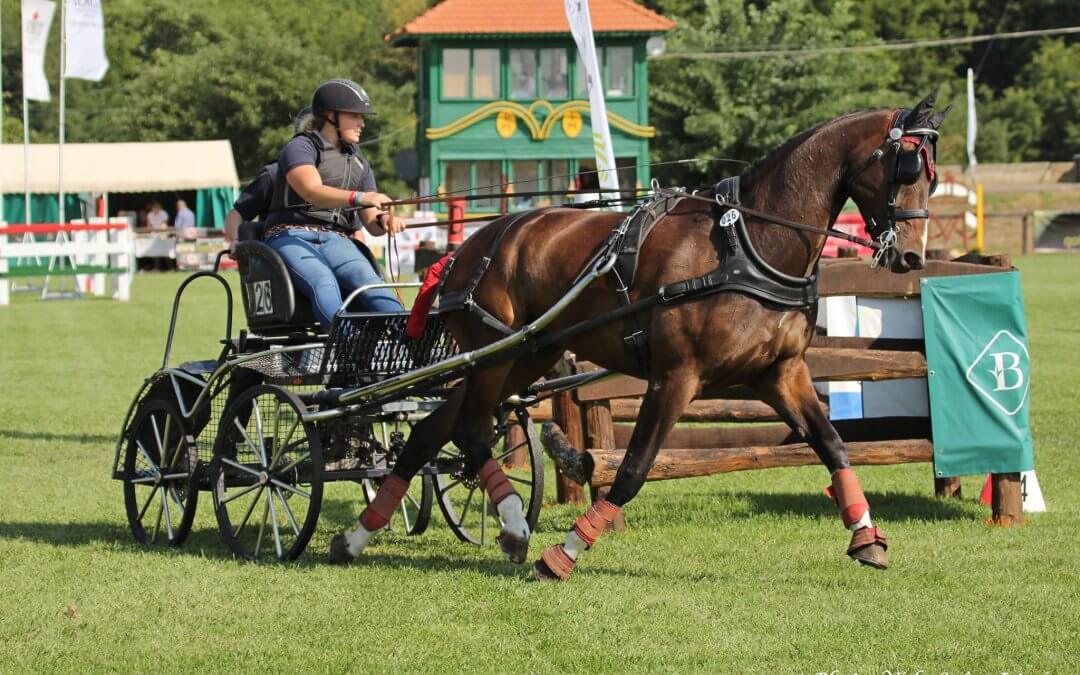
(414, 514)
(266, 475)
(466, 506)
(160, 492)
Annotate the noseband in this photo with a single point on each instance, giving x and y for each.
(905, 169)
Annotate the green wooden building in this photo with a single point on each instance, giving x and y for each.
(501, 97)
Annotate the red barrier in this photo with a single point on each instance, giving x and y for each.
(455, 229)
(54, 228)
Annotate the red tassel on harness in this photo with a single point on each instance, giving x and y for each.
(425, 298)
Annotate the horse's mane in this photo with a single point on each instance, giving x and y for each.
(798, 139)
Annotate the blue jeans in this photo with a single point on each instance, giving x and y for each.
(323, 264)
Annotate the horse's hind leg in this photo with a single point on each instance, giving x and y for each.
(661, 408)
(793, 396)
(425, 440)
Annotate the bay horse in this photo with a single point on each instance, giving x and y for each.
(878, 158)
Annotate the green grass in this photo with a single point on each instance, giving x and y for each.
(741, 572)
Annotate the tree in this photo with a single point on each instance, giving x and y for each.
(742, 108)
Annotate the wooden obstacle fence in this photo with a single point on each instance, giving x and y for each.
(595, 417)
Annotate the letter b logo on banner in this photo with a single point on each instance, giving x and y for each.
(999, 372)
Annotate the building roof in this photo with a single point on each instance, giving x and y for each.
(499, 17)
(120, 167)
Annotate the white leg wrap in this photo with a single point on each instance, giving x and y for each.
(512, 514)
(357, 539)
(862, 522)
(574, 545)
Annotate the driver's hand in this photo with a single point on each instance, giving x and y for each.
(386, 216)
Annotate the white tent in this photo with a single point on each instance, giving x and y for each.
(121, 167)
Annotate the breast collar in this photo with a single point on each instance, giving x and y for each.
(741, 268)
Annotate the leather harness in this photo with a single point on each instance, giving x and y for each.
(741, 270)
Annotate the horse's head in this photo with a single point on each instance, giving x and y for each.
(892, 184)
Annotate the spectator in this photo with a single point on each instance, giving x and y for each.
(157, 218)
(185, 217)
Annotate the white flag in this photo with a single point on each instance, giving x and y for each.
(85, 31)
(971, 118)
(36, 20)
(577, 13)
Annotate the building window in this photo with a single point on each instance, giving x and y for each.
(455, 73)
(488, 182)
(553, 73)
(616, 69)
(522, 73)
(557, 176)
(620, 71)
(486, 81)
(458, 178)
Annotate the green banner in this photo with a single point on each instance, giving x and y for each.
(978, 373)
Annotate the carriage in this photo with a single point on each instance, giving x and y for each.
(262, 427)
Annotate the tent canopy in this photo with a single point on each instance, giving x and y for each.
(121, 167)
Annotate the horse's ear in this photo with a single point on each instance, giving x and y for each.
(937, 118)
(920, 114)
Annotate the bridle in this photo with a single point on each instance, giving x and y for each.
(906, 168)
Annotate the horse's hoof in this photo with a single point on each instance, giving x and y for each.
(339, 550)
(869, 546)
(873, 555)
(541, 572)
(515, 548)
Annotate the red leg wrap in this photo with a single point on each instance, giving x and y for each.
(495, 482)
(593, 522)
(848, 495)
(391, 492)
(557, 561)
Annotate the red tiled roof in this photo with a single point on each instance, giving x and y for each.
(485, 17)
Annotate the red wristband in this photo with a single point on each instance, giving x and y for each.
(353, 199)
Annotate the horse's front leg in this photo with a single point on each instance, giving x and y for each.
(661, 407)
(792, 394)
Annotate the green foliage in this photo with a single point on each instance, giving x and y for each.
(740, 109)
(203, 69)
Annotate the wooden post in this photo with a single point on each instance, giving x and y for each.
(600, 433)
(566, 412)
(1006, 499)
(946, 488)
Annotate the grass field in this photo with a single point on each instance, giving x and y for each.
(741, 572)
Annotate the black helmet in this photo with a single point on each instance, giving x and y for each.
(342, 95)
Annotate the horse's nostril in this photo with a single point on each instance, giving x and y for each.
(913, 260)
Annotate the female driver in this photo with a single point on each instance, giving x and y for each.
(321, 174)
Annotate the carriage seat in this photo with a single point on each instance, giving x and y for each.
(271, 302)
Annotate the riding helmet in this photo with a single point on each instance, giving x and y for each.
(341, 95)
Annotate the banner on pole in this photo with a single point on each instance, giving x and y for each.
(36, 20)
(84, 28)
(972, 120)
(577, 14)
(978, 371)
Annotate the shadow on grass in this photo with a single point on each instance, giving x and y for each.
(701, 507)
(49, 437)
(205, 542)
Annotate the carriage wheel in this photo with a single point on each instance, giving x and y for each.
(266, 475)
(160, 492)
(414, 514)
(465, 505)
